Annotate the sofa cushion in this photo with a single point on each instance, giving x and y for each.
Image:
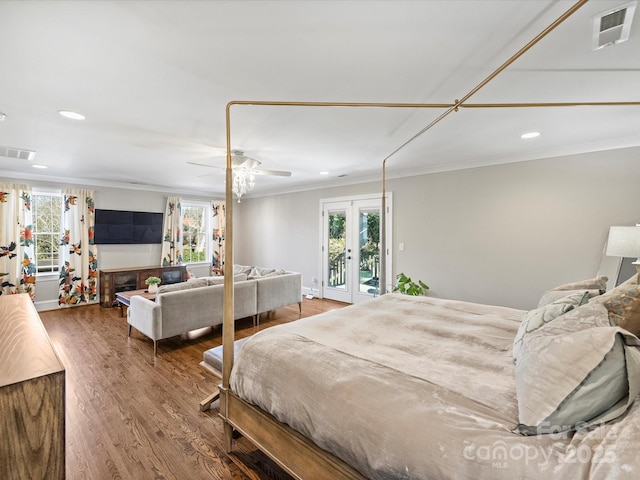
(259, 272)
(246, 269)
(219, 279)
(174, 287)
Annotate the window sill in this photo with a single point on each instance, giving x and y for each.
(47, 277)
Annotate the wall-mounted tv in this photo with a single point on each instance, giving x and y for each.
(127, 227)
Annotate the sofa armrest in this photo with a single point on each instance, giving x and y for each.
(145, 316)
(279, 291)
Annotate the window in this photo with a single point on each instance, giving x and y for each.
(195, 225)
(47, 215)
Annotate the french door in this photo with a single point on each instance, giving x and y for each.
(351, 248)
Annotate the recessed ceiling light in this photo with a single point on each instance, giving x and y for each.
(530, 135)
(324, 173)
(71, 115)
(39, 166)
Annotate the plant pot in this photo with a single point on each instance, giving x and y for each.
(153, 288)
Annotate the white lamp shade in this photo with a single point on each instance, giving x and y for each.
(624, 242)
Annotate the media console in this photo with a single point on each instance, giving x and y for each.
(115, 280)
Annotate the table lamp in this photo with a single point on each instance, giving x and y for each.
(625, 242)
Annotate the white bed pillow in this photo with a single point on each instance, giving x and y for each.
(537, 317)
(575, 372)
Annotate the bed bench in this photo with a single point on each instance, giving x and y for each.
(212, 361)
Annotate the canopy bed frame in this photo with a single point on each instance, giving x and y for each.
(298, 455)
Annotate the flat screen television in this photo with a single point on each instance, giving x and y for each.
(127, 227)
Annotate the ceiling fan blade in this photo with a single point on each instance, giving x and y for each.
(203, 165)
(276, 173)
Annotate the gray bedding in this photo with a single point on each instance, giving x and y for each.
(419, 388)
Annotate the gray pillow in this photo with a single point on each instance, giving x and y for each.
(275, 273)
(537, 317)
(219, 280)
(575, 372)
(257, 272)
(238, 269)
(174, 287)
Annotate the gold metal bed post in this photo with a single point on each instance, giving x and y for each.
(228, 326)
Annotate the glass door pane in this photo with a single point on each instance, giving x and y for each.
(369, 250)
(337, 266)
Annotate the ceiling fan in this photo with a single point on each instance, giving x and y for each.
(244, 169)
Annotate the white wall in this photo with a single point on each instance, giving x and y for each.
(498, 235)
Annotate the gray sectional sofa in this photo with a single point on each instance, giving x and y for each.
(198, 303)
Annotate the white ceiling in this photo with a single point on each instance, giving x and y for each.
(153, 79)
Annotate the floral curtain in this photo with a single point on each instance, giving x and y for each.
(17, 268)
(218, 221)
(78, 254)
(172, 241)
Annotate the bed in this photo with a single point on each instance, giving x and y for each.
(403, 387)
(419, 387)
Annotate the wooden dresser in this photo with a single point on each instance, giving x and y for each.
(32, 395)
(115, 280)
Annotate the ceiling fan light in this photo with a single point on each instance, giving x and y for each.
(239, 185)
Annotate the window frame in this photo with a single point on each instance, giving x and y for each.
(184, 204)
(54, 272)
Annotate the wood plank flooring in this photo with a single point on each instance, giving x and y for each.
(132, 416)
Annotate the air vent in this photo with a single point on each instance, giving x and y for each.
(613, 26)
(17, 153)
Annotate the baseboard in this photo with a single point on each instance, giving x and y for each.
(53, 305)
(310, 292)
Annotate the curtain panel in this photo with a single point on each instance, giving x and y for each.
(218, 212)
(78, 254)
(17, 250)
(172, 241)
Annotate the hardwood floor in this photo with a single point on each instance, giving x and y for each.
(132, 416)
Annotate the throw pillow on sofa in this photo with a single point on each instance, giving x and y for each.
(174, 287)
(257, 272)
(239, 269)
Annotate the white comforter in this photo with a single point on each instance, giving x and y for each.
(419, 388)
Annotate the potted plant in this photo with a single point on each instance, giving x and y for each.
(409, 287)
(152, 283)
